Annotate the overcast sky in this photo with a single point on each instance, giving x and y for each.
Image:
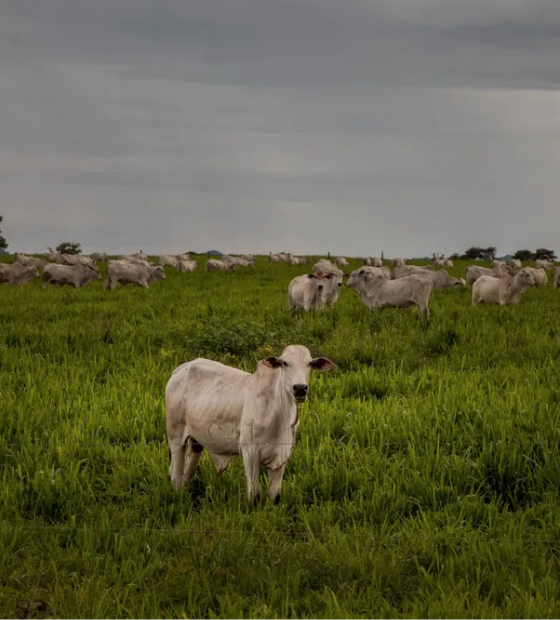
(349, 126)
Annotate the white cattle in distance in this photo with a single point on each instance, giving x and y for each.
(30, 261)
(17, 274)
(448, 263)
(496, 263)
(541, 263)
(340, 261)
(99, 257)
(378, 292)
(167, 260)
(307, 291)
(506, 290)
(473, 272)
(71, 275)
(214, 264)
(124, 272)
(557, 277)
(231, 412)
(403, 271)
(187, 265)
(515, 263)
(398, 261)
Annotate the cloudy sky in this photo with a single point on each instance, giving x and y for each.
(349, 126)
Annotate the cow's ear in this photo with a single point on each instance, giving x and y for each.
(322, 363)
(272, 362)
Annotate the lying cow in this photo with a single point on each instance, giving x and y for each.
(72, 275)
(440, 279)
(506, 290)
(124, 272)
(473, 272)
(231, 412)
(17, 274)
(378, 292)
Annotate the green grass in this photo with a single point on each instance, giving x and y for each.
(425, 480)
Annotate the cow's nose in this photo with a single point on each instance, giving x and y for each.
(320, 287)
(300, 390)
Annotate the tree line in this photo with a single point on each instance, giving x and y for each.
(476, 253)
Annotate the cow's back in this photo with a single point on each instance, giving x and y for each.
(208, 398)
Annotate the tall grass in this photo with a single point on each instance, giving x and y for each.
(425, 480)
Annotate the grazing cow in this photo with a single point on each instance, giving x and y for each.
(505, 290)
(377, 292)
(307, 291)
(54, 257)
(442, 280)
(231, 412)
(539, 275)
(218, 265)
(187, 265)
(557, 277)
(541, 263)
(168, 261)
(403, 271)
(123, 272)
(99, 257)
(73, 275)
(31, 261)
(448, 264)
(340, 261)
(473, 272)
(17, 274)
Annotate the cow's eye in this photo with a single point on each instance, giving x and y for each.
(285, 364)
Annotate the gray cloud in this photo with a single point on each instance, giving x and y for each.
(310, 126)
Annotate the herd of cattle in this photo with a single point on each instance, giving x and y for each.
(378, 285)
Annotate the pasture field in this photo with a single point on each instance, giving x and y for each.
(425, 480)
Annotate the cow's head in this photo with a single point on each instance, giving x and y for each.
(319, 276)
(294, 367)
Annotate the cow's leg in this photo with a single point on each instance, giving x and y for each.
(177, 453)
(194, 454)
(252, 470)
(274, 483)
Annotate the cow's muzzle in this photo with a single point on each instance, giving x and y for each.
(300, 392)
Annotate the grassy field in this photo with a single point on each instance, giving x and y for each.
(425, 480)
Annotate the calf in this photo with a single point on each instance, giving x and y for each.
(231, 412)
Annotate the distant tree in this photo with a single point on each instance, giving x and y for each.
(455, 256)
(473, 253)
(544, 254)
(3, 242)
(489, 253)
(69, 248)
(524, 255)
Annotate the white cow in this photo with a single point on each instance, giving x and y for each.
(515, 263)
(557, 277)
(99, 257)
(539, 275)
(17, 274)
(398, 261)
(307, 291)
(340, 261)
(403, 271)
(218, 265)
(541, 263)
(187, 265)
(168, 261)
(72, 275)
(124, 272)
(442, 280)
(473, 272)
(448, 264)
(505, 290)
(231, 412)
(378, 292)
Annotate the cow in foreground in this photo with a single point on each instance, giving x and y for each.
(123, 272)
(231, 412)
(506, 290)
(72, 275)
(17, 274)
(378, 292)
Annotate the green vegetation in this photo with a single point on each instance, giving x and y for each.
(425, 480)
